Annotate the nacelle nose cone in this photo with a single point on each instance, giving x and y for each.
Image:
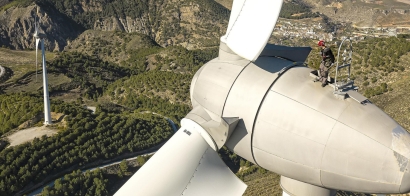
(369, 148)
(306, 133)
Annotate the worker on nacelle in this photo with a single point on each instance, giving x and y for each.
(327, 60)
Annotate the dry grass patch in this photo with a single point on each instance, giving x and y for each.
(29, 134)
(21, 62)
(31, 85)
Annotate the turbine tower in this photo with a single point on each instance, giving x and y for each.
(40, 39)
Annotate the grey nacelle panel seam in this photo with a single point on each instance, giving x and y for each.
(245, 98)
(213, 85)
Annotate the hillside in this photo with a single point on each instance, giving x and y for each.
(365, 13)
(17, 26)
(396, 103)
(138, 51)
(191, 23)
(113, 46)
(18, 63)
(16, 109)
(360, 13)
(226, 3)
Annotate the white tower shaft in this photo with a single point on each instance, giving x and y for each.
(47, 114)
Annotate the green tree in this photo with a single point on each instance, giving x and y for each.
(124, 166)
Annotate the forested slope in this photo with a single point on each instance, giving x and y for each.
(87, 138)
(16, 109)
(296, 9)
(78, 183)
(165, 89)
(88, 73)
(139, 53)
(170, 86)
(377, 61)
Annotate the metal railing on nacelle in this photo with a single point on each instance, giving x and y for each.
(344, 60)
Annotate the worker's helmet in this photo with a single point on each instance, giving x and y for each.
(321, 43)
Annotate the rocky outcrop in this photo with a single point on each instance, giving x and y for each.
(190, 23)
(127, 24)
(17, 27)
(173, 22)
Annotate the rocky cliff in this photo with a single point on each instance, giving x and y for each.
(17, 27)
(190, 23)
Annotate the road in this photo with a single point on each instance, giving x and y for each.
(173, 125)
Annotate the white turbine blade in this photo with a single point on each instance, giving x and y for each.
(35, 24)
(250, 25)
(185, 165)
(37, 42)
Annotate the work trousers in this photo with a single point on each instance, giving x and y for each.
(324, 71)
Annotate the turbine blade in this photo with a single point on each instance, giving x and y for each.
(250, 25)
(37, 42)
(185, 165)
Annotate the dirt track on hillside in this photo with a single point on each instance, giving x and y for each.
(29, 134)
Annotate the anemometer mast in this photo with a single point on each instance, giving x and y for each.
(40, 40)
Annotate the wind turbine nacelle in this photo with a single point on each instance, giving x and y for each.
(260, 101)
(294, 127)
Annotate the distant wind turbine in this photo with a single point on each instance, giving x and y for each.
(40, 39)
